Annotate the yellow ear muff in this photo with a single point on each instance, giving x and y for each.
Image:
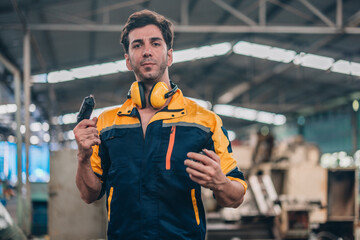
(157, 95)
(137, 94)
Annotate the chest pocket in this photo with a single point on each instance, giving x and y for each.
(181, 140)
(120, 147)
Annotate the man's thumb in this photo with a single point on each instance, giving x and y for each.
(95, 120)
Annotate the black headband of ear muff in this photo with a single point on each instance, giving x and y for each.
(174, 88)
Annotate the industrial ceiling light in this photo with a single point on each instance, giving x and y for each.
(36, 127)
(249, 114)
(225, 110)
(32, 107)
(120, 66)
(264, 52)
(341, 66)
(245, 113)
(355, 69)
(355, 105)
(242, 47)
(302, 59)
(281, 55)
(107, 68)
(60, 76)
(191, 54)
(85, 72)
(8, 108)
(34, 140)
(265, 117)
(316, 61)
(46, 137)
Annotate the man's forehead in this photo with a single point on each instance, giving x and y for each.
(147, 32)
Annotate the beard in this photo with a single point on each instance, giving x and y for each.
(150, 77)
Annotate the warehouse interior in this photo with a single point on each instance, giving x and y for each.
(283, 75)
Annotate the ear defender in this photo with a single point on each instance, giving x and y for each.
(157, 96)
(137, 94)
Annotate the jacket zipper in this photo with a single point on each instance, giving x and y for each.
(170, 147)
(109, 201)
(196, 210)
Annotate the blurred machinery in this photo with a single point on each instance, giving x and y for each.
(290, 195)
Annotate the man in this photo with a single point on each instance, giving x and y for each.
(152, 155)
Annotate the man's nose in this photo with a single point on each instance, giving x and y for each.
(147, 52)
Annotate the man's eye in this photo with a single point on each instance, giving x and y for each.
(136, 46)
(156, 44)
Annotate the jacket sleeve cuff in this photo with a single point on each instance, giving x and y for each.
(240, 181)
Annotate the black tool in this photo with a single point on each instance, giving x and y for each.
(86, 108)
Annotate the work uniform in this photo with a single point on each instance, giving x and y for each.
(149, 193)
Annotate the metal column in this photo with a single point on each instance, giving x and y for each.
(26, 226)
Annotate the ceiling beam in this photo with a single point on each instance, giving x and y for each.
(113, 7)
(24, 27)
(5, 52)
(220, 22)
(194, 29)
(191, 7)
(67, 17)
(236, 13)
(92, 35)
(290, 9)
(184, 12)
(339, 13)
(354, 20)
(49, 46)
(262, 12)
(240, 89)
(318, 13)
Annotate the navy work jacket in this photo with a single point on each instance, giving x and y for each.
(149, 193)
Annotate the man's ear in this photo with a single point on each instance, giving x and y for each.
(170, 57)
(128, 63)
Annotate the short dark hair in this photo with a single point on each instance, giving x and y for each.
(144, 18)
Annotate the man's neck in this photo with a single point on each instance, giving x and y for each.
(149, 84)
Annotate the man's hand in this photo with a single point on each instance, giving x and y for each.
(206, 171)
(86, 136)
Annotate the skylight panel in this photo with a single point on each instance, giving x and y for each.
(107, 68)
(355, 69)
(201, 52)
(224, 109)
(265, 117)
(281, 55)
(316, 61)
(85, 72)
(249, 114)
(341, 66)
(60, 76)
(121, 66)
(245, 113)
(243, 48)
(259, 51)
(8, 108)
(279, 119)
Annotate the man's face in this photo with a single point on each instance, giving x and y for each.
(148, 56)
